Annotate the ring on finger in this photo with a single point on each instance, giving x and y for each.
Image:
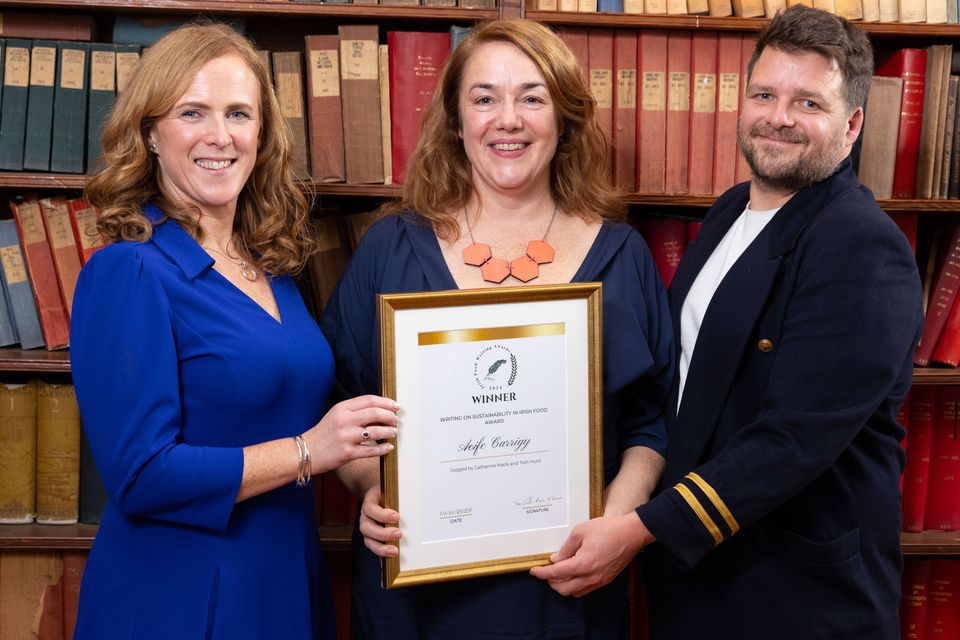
(364, 435)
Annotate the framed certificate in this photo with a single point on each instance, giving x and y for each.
(499, 452)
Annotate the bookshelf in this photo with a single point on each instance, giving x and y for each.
(306, 17)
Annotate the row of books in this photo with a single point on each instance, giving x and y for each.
(39, 454)
(41, 252)
(905, 11)
(940, 266)
(930, 606)
(910, 139)
(931, 478)
(660, 96)
(56, 96)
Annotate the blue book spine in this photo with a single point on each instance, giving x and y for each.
(610, 6)
(18, 287)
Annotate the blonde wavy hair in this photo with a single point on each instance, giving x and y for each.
(272, 221)
(438, 182)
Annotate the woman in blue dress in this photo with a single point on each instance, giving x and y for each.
(511, 152)
(202, 379)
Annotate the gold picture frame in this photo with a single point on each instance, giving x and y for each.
(487, 379)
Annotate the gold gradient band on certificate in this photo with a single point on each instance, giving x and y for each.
(491, 333)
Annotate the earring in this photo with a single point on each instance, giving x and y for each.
(153, 148)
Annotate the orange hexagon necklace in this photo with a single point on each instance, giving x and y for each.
(525, 268)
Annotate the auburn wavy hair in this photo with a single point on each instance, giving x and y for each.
(439, 183)
(272, 221)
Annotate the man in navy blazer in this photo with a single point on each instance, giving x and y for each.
(797, 312)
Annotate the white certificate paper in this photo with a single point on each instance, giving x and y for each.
(497, 419)
(498, 454)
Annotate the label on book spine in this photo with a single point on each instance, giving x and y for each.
(705, 93)
(71, 68)
(32, 223)
(729, 92)
(325, 69)
(627, 89)
(12, 261)
(601, 87)
(126, 61)
(43, 66)
(102, 64)
(654, 91)
(361, 59)
(288, 92)
(678, 96)
(87, 225)
(16, 71)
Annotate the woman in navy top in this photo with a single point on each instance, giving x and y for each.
(201, 377)
(511, 159)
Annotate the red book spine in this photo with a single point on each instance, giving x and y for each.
(576, 40)
(903, 417)
(942, 509)
(693, 230)
(337, 502)
(625, 110)
(667, 239)
(941, 301)
(83, 219)
(943, 600)
(913, 606)
(600, 64)
(916, 473)
(729, 88)
(747, 46)
(415, 62)
(651, 111)
(43, 275)
(703, 107)
(911, 65)
(908, 225)
(73, 562)
(66, 255)
(678, 111)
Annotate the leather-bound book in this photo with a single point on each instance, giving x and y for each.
(600, 65)
(63, 244)
(360, 96)
(323, 106)
(678, 112)
(942, 509)
(103, 91)
(729, 89)
(23, 307)
(18, 453)
(47, 25)
(651, 111)
(68, 153)
(288, 80)
(624, 140)
(703, 109)
(878, 154)
(38, 137)
(13, 109)
(909, 64)
(913, 605)
(83, 219)
(58, 454)
(916, 473)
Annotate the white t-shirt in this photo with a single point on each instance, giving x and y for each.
(738, 237)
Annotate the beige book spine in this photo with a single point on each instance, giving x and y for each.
(58, 454)
(18, 453)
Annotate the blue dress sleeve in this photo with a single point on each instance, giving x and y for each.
(125, 370)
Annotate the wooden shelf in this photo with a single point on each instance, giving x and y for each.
(931, 543)
(263, 8)
(80, 536)
(337, 538)
(693, 23)
(47, 536)
(931, 375)
(39, 360)
(53, 181)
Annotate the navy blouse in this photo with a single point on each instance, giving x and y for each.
(400, 253)
(176, 370)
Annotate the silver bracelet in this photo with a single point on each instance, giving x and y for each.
(303, 462)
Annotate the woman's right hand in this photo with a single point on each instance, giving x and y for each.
(350, 431)
(377, 525)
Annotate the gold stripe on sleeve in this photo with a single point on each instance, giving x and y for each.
(717, 502)
(698, 509)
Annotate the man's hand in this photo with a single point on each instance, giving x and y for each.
(594, 554)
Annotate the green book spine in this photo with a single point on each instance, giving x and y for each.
(103, 85)
(70, 108)
(13, 114)
(43, 72)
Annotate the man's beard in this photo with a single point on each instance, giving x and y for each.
(811, 166)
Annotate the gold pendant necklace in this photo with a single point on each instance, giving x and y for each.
(246, 270)
(525, 268)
